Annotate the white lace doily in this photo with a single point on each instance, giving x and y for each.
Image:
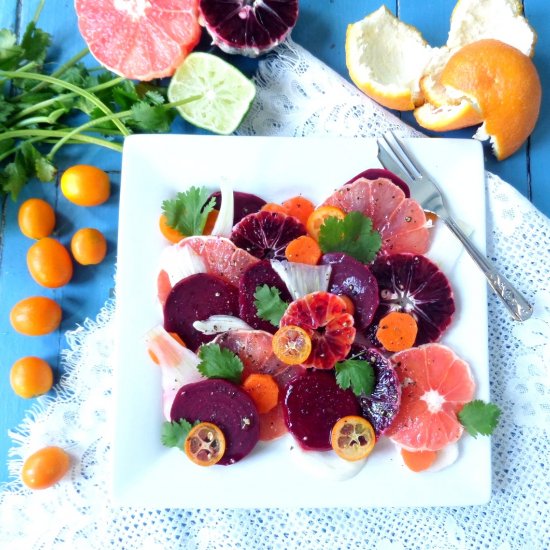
(299, 96)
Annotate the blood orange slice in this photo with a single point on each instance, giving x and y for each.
(248, 27)
(324, 317)
(139, 39)
(207, 254)
(400, 221)
(436, 384)
(413, 284)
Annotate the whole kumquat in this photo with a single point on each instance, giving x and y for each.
(49, 263)
(85, 185)
(36, 316)
(36, 218)
(88, 246)
(45, 467)
(31, 376)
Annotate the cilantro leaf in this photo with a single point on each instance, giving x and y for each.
(218, 362)
(357, 374)
(479, 417)
(151, 118)
(174, 434)
(10, 52)
(353, 235)
(269, 304)
(189, 210)
(35, 43)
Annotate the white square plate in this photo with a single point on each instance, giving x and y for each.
(154, 169)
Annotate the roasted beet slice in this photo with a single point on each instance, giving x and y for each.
(243, 204)
(248, 27)
(375, 173)
(382, 405)
(196, 298)
(313, 404)
(225, 405)
(355, 280)
(256, 275)
(266, 234)
(414, 284)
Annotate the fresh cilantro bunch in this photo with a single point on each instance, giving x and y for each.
(38, 108)
(353, 235)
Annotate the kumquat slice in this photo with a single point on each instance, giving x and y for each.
(205, 444)
(352, 438)
(292, 345)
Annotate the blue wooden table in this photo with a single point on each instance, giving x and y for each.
(321, 28)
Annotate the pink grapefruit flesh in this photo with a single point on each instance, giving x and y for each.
(400, 221)
(435, 385)
(139, 39)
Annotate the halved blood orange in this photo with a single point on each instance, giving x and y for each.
(352, 438)
(436, 384)
(325, 318)
(139, 39)
(205, 444)
(216, 256)
(400, 221)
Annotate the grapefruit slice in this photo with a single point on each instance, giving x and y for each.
(248, 27)
(413, 284)
(436, 384)
(400, 221)
(324, 317)
(139, 39)
(254, 349)
(208, 254)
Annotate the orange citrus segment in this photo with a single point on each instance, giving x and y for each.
(352, 438)
(205, 444)
(505, 85)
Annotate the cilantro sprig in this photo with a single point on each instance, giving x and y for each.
(353, 235)
(357, 375)
(218, 362)
(174, 434)
(269, 304)
(479, 417)
(189, 211)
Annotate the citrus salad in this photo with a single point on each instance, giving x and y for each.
(322, 321)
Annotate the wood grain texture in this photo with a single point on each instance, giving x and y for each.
(321, 28)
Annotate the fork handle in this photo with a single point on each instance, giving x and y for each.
(518, 306)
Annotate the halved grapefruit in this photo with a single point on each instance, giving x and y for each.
(202, 254)
(139, 39)
(435, 385)
(400, 221)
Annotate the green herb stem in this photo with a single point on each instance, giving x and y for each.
(80, 91)
(48, 102)
(46, 134)
(38, 11)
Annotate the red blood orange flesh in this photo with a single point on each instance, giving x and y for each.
(413, 284)
(248, 27)
(435, 384)
(324, 317)
(400, 221)
(139, 39)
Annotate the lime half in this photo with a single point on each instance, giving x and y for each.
(219, 94)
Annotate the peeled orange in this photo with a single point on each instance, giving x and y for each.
(489, 76)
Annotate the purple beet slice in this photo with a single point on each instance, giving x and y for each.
(313, 403)
(225, 405)
(375, 173)
(413, 284)
(257, 275)
(355, 280)
(196, 298)
(248, 27)
(266, 234)
(243, 204)
(382, 405)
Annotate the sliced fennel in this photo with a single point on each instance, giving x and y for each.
(180, 261)
(224, 223)
(220, 323)
(302, 279)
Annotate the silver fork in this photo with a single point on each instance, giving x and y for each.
(394, 156)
